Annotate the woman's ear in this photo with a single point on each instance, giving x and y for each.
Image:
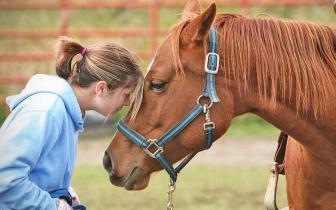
(101, 88)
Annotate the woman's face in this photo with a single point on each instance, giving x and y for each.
(109, 102)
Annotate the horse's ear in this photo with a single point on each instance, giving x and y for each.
(198, 29)
(191, 9)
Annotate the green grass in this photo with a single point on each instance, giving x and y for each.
(2, 114)
(317, 14)
(109, 18)
(199, 187)
(252, 126)
(29, 19)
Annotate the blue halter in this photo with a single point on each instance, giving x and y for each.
(154, 147)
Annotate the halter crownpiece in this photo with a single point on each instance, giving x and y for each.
(211, 67)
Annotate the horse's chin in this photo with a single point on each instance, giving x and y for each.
(133, 181)
(139, 184)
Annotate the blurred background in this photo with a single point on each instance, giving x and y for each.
(231, 175)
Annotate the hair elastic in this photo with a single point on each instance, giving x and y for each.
(84, 51)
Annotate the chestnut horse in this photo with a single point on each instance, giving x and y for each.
(283, 71)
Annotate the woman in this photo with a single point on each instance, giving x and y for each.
(38, 140)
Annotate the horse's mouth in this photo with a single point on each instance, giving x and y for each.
(129, 181)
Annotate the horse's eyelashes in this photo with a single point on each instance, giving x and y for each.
(158, 85)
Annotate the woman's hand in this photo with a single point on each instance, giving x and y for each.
(75, 197)
(62, 205)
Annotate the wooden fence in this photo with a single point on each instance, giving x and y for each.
(152, 30)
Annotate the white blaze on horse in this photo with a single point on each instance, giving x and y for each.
(283, 71)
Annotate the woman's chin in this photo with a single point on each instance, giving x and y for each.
(109, 115)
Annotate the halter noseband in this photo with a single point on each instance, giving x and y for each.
(154, 147)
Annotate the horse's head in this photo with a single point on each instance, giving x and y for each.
(172, 86)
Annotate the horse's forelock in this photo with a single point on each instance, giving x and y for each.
(175, 34)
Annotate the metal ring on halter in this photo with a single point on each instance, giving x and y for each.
(202, 96)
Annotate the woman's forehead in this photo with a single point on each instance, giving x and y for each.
(129, 88)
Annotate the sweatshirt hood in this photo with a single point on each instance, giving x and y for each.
(50, 84)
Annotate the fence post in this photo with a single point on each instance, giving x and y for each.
(64, 16)
(154, 24)
(244, 7)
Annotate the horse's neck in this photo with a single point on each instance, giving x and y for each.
(305, 128)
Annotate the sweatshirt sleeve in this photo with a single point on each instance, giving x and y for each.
(23, 139)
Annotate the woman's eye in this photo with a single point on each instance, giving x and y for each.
(158, 85)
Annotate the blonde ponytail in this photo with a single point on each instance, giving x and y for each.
(66, 49)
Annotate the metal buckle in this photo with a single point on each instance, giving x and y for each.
(211, 71)
(274, 167)
(271, 190)
(152, 142)
(208, 125)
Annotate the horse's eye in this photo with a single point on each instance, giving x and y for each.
(158, 85)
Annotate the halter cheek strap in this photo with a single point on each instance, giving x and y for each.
(154, 147)
(211, 67)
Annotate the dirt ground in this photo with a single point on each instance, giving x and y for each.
(225, 151)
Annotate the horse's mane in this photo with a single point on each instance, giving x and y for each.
(290, 60)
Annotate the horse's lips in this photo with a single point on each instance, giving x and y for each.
(131, 179)
(128, 181)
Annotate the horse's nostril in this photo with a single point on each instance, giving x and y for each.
(107, 163)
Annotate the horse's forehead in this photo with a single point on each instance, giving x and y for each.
(151, 63)
(161, 48)
(162, 61)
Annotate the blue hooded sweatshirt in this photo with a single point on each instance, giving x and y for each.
(38, 143)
